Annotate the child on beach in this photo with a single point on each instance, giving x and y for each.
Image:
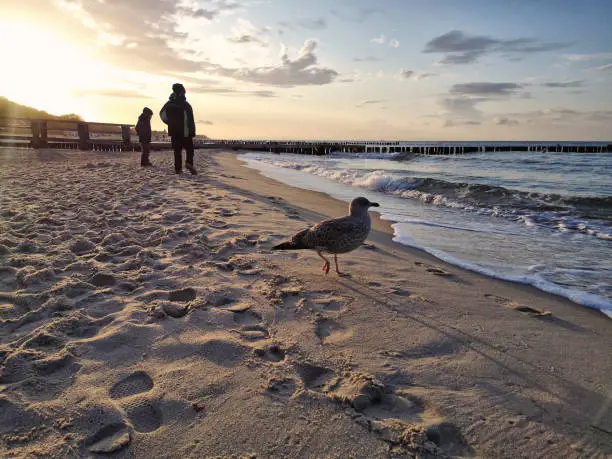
(143, 129)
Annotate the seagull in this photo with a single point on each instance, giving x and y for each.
(337, 235)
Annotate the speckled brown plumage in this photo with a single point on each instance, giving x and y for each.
(336, 235)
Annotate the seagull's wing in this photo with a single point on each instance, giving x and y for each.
(330, 232)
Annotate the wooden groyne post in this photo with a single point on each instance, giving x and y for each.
(39, 133)
(83, 131)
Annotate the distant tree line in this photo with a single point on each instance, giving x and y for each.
(10, 109)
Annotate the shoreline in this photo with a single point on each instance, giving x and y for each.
(383, 232)
(143, 314)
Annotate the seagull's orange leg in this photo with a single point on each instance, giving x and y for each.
(336, 261)
(326, 264)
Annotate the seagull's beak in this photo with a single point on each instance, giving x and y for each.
(374, 204)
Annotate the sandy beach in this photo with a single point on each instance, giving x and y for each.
(143, 314)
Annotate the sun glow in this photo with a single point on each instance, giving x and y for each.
(43, 71)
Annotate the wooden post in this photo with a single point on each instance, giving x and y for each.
(126, 135)
(36, 138)
(39, 133)
(83, 130)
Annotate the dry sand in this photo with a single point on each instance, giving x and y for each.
(143, 315)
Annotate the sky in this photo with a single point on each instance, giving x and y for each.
(321, 69)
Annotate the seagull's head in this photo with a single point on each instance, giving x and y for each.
(359, 206)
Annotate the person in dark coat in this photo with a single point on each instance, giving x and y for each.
(178, 115)
(143, 129)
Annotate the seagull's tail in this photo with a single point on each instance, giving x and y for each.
(296, 242)
(290, 245)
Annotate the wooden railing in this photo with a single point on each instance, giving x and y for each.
(42, 133)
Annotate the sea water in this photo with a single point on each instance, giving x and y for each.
(537, 218)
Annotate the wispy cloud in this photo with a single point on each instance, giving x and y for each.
(227, 91)
(206, 122)
(503, 121)
(413, 75)
(461, 48)
(564, 84)
(454, 123)
(380, 40)
(367, 59)
(371, 102)
(424, 75)
(112, 93)
(587, 57)
(486, 89)
(244, 32)
(246, 38)
(313, 24)
(603, 68)
(359, 15)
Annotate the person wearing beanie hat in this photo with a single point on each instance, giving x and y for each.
(178, 115)
(143, 129)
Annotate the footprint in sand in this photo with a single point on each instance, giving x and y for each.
(436, 270)
(144, 415)
(109, 439)
(326, 301)
(134, 384)
(314, 377)
(330, 331)
(397, 416)
(507, 303)
(271, 353)
(281, 387)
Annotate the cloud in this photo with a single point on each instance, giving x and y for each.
(370, 102)
(461, 48)
(559, 116)
(127, 34)
(244, 39)
(424, 75)
(358, 16)
(566, 84)
(367, 59)
(206, 122)
(313, 24)
(112, 93)
(380, 40)
(603, 68)
(587, 57)
(412, 75)
(202, 13)
(244, 32)
(225, 91)
(462, 107)
(486, 89)
(394, 43)
(302, 71)
(452, 123)
(502, 121)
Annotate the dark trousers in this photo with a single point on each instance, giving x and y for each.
(145, 148)
(178, 143)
